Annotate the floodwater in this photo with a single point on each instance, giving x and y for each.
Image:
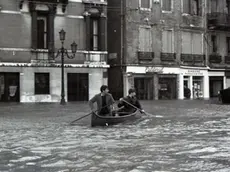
(179, 136)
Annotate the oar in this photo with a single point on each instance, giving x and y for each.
(146, 113)
(87, 115)
(82, 117)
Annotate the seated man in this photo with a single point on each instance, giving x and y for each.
(104, 101)
(130, 99)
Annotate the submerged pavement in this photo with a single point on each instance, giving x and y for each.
(179, 136)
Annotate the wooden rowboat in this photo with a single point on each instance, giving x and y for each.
(97, 120)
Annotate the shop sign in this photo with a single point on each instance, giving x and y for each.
(193, 72)
(154, 69)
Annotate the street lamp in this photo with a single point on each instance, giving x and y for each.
(64, 52)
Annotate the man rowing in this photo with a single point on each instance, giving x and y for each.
(104, 101)
(130, 103)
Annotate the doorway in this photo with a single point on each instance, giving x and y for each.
(144, 88)
(215, 85)
(9, 87)
(78, 84)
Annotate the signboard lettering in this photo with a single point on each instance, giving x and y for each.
(154, 69)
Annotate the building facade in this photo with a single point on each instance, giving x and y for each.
(30, 71)
(163, 46)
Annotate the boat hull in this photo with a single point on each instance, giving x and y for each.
(97, 120)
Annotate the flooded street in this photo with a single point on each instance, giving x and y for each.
(184, 136)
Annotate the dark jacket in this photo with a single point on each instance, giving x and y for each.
(98, 99)
(128, 108)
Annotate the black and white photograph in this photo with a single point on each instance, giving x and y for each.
(115, 86)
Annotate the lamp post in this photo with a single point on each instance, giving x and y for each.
(64, 52)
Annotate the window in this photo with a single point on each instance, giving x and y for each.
(42, 83)
(145, 4)
(166, 5)
(228, 6)
(94, 36)
(42, 32)
(192, 7)
(167, 41)
(192, 43)
(214, 5)
(214, 43)
(228, 45)
(145, 39)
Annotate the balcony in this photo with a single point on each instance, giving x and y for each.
(218, 21)
(42, 56)
(193, 59)
(145, 57)
(95, 59)
(168, 57)
(215, 58)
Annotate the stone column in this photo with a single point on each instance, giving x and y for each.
(225, 82)
(34, 28)
(87, 20)
(181, 86)
(103, 30)
(155, 86)
(206, 87)
(191, 85)
(52, 11)
(95, 81)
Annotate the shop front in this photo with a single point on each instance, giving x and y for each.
(194, 84)
(152, 83)
(216, 82)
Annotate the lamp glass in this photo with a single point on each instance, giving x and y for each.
(74, 47)
(62, 35)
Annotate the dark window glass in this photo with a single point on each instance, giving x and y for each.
(214, 45)
(42, 83)
(166, 5)
(94, 34)
(42, 32)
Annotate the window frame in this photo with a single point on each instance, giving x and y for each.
(46, 89)
(145, 9)
(171, 8)
(199, 10)
(151, 40)
(92, 35)
(173, 40)
(192, 38)
(228, 45)
(43, 17)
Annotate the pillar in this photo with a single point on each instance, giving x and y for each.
(225, 82)
(95, 81)
(34, 28)
(51, 31)
(181, 87)
(191, 85)
(206, 87)
(155, 86)
(87, 20)
(103, 31)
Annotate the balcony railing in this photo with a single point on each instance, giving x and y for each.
(215, 58)
(218, 21)
(145, 56)
(193, 59)
(168, 57)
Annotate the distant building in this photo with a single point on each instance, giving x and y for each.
(29, 40)
(160, 46)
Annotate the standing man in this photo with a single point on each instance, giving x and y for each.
(131, 99)
(104, 101)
